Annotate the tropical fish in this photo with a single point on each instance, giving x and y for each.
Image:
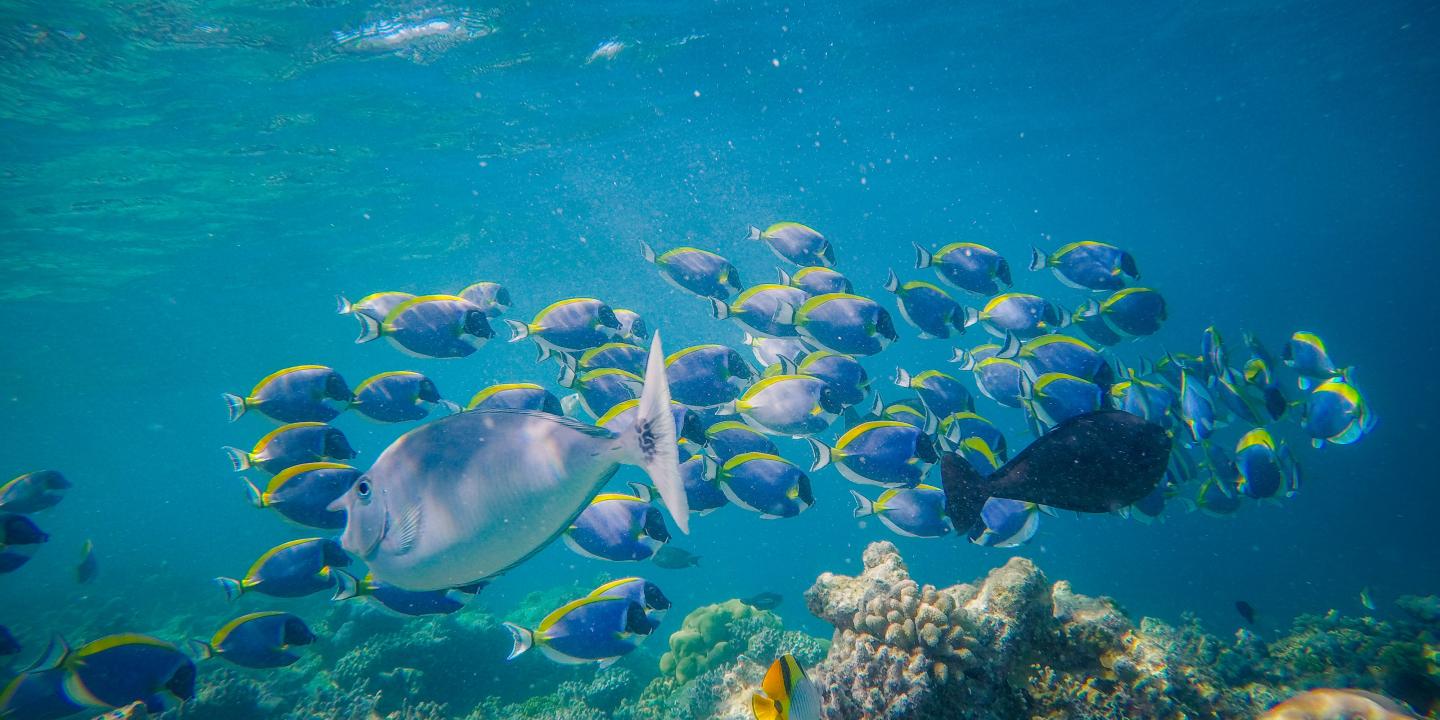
(844, 374)
(1258, 461)
(1246, 611)
(516, 396)
(617, 527)
(291, 445)
(1005, 523)
(980, 455)
(33, 492)
(1087, 265)
(764, 601)
(996, 377)
(597, 391)
(88, 567)
(696, 271)
(760, 309)
(674, 558)
(38, 694)
(1336, 412)
(1151, 506)
(1259, 374)
(955, 428)
(1197, 408)
(1149, 400)
(730, 438)
(437, 509)
(258, 640)
(1133, 312)
(20, 537)
(1235, 394)
(621, 420)
(1365, 600)
(766, 484)
(1097, 462)
(1019, 314)
(491, 297)
(911, 512)
(931, 310)
(846, 324)
(770, 351)
(569, 325)
(705, 376)
(1091, 322)
(817, 280)
(375, 305)
(793, 405)
(592, 629)
(786, 694)
(302, 493)
(640, 591)
(632, 327)
(879, 452)
(293, 569)
(1305, 353)
(117, 670)
(618, 355)
(409, 603)
(941, 394)
(697, 472)
(304, 393)
(398, 396)
(967, 266)
(432, 326)
(1213, 499)
(1213, 354)
(796, 243)
(1067, 355)
(1054, 398)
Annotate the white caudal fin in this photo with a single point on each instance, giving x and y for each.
(239, 459)
(518, 330)
(653, 438)
(647, 251)
(922, 257)
(524, 640)
(892, 283)
(343, 306)
(235, 404)
(369, 328)
(821, 452)
(863, 506)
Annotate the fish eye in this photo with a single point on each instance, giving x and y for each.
(362, 489)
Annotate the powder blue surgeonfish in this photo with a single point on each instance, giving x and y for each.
(697, 470)
(618, 355)
(879, 452)
(941, 394)
(958, 427)
(1238, 396)
(594, 629)
(766, 484)
(729, 438)
(931, 310)
(706, 376)
(438, 508)
(291, 445)
(491, 297)
(1197, 407)
(1019, 314)
(632, 330)
(696, 271)
(760, 309)
(20, 538)
(431, 326)
(847, 324)
(996, 377)
(1336, 413)
(408, 603)
(1054, 398)
(375, 305)
(845, 375)
(118, 670)
(302, 493)
(258, 640)
(817, 280)
(597, 391)
(793, 405)
(516, 396)
(640, 591)
(1214, 358)
(1087, 265)
(293, 569)
(796, 243)
(37, 694)
(1064, 354)
(571, 325)
(1259, 373)
(1149, 400)
(968, 266)
(1132, 312)
(303, 393)
(33, 492)
(912, 512)
(398, 396)
(1005, 523)
(618, 527)
(1258, 461)
(1305, 353)
(770, 351)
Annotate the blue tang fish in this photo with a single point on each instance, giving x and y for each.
(696, 271)
(910, 411)
(597, 391)
(1260, 374)
(408, 603)
(589, 630)
(958, 427)
(293, 569)
(706, 376)
(1258, 461)
(1064, 354)
(796, 243)
(760, 309)
(20, 537)
(843, 373)
(118, 670)
(303, 393)
(398, 396)
(491, 297)
(978, 453)
(697, 470)
(968, 266)
(432, 326)
(1056, 397)
(302, 493)
(1215, 358)
(33, 492)
(912, 512)
(620, 528)
(1305, 353)
(375, 305)
(846, 324)
(568, 326)
(1019, 314)
(941, 394)
(516, 396)
(766, 484)
(291, 445)
(1197, 407)
(640, 591)
(1237, 396)
(817, 280)
(730, 438)
(618, 355)
(879, 452)
(1149, 400)
(931, 310)
(1133, 312)
(793, 405)
(1087, 265)
(1005, 523)
(1336, 412)
(996, 377)
(259, 640)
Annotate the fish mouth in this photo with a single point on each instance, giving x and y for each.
(369, 551)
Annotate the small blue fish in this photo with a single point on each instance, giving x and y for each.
(911, 412)
(302, 493)
(1197, 408)
(304, 393)
(1237, 396)
(620, 528)
(1258, 462)
(375, 305)
(1150, 507)
(705, 376)
(1064, 354)
(846, 324)
(844, 374)
(293, 569)
(398, 396)
(996, 377)
(259, 640)
(1090, 322)
(880, 452)
(760, 309)
(941, 394)
(796, 243)
(771, 351)
(1134, 312)
(491, 297)
(640, 591)
(917, 512)
(1305, 353)
(88, 568)
(632, 330)
(431, 326)
(1087, 265)
(1213, 500)
(730, 438)
(406, 603)
(1151, 401)
(618, 355)
(291, 445)
(955, 428)
(33, 492)
(566, 326)
(697, 471)
(20, 538)
(589, 630)
(1260, 375)
(1005, 523)
(1056, 397)
(696, 271)
(37, 694)
(516, 396)
(967, 266)
(1336, 413)
(766, 484)
(817, 280)
(793, 405)
(931, 310)
(118, 670)
(597, 391)
(1213, 353)
(1019, 314)
(979, 454)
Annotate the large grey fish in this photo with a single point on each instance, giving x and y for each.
(468, 496)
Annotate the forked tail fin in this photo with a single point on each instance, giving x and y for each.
(964, 491)
(653, 438)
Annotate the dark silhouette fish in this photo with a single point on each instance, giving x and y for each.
(1097, 462)
(673, 558)
(1246, 611)
(764, 601)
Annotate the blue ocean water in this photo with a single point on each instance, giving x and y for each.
(186, 186)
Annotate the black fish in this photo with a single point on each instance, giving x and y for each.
(1097, 462)
(1246, 611)
(674, 558)
(764, 601)
(8, 644)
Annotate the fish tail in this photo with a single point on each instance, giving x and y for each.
(923, 258)
(654, 438)
(567, 376)
(964, 491)
(647, 251)
(756, 233)
(1347, 375)
(1065, 317)
(451, 406)
(863, 506)
(346, 586)
(785, 314)
(972, 316)
(239, 459)
(571, 406)
(343, 305)
(199, 650)
(962, 358)
(822, 453)
(1038, 259)
(235, 404)
(518, 330)
(233, 588)
(892, 283)
(1011, 349)
(524, 640)
(784, 278)
(719, 308)
(902, 378)
(257, 498)
(369, 328)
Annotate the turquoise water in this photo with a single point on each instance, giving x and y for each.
(184, 187)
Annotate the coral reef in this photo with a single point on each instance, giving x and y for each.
(705, 639)
(1331, 704)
